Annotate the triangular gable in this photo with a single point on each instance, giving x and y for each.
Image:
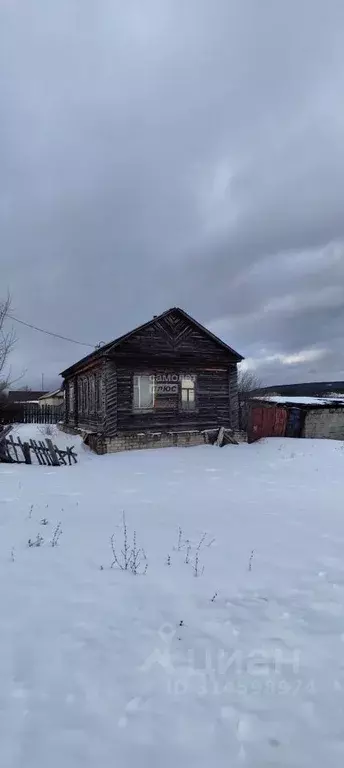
(175, 327)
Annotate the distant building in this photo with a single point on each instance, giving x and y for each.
(292, 416)
(24, 396)
(52, 398)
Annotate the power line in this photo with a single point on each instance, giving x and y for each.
(50, 333)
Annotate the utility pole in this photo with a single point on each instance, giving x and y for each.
(42, 382)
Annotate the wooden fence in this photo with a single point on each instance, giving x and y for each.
(30, 413)
(14, 451)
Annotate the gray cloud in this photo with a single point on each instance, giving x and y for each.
(158, 152)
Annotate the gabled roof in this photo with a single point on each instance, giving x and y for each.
(52, 394)
(112, 345)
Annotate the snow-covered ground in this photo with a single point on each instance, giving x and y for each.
(242, 665)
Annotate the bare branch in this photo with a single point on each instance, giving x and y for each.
(248, 384)
(7, 341)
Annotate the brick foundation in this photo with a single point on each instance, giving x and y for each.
(142, 440)
(133, 441)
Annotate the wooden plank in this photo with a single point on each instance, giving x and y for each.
(10, 440)
(36, 451)
(5, 431)
(219, 439)
(44, 453)
(53, 454)
(61, 455)
(228, 438)
(5, 456)
(71, 455)
(27, 453)
(21, 447)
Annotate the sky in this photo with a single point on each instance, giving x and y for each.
(159, 153)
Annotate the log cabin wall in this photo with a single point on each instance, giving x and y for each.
(86, 398)
(211, 409)
(111, 400)
(233, 396)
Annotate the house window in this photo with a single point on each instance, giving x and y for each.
(144, 392)
(187, 390)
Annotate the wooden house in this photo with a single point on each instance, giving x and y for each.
(163, 383)
(55, 398)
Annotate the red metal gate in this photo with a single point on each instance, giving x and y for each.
(267, 421)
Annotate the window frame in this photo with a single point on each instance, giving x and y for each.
(184, 405)
(136, 386)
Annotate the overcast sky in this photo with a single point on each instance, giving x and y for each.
(156, 153)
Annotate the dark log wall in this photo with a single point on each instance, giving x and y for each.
(233, 396)
(212, 407)
(111, 404)
(85, 398)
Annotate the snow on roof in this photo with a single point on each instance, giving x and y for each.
(52, 394)
(315, 401)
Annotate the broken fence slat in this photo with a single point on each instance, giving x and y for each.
(4, 432)
(27, 453)
(39, 453)
(53, 453)
(61, 454)
(9, 456)
(71, 454)
(13, 445)
(21, 446)
(33, 447)
(48, 454)
(44, 453)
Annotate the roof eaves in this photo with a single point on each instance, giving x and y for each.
(116, 342)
